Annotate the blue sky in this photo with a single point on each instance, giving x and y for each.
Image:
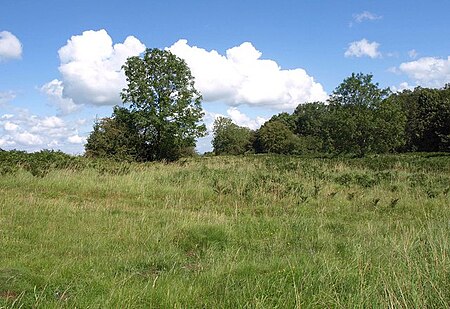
(60, 60)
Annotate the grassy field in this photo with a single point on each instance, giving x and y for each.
(228, 232)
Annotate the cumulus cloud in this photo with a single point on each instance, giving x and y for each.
(28, 139)
(366, 15)
(10, 46)
(363, 48)
(91, 74)
(427, 71)
(242, 77)
(54, 91)
(91, 71)
(7, 116)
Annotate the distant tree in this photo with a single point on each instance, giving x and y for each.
(165, 106)
(352, 104)
(358, 90)
(230, 138)
(287, 119)
(311, 125)
(276, 137)
(427, 113)
(389, 127)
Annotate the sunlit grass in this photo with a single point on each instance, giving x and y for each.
(229, 232)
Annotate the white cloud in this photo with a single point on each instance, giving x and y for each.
(10, 46)
(52, 122)
(241, 77)
(6, 97)
(363, 48)
(363, 16)
(7, 116)
(28, 139)
(427, 71)
(91, 74)
(9, 126)
(401, 87)
(243, 120)
(32, 132)
(5, 141)
(54, 91)
(236, 116)
(413, 54)
(76, 139)
(91, 70)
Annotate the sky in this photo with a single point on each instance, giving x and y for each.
(60, 61)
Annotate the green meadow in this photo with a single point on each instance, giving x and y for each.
(257, 231)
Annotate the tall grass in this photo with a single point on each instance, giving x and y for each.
(228, 232)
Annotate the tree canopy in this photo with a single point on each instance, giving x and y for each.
(229, 138)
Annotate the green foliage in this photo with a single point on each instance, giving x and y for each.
(389, 125)
(355, 122)
(230, 138)
(428, 118)
(276, 137)
(164, 103)
(162, 119)
(311, 125)
(287, 119)
(39, 164)
(116, 137)
(358, 119)
(358, 90)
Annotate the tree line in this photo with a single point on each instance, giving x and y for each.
(358, 118)
(161, 119)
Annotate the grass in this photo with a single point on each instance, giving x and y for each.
(229, 232)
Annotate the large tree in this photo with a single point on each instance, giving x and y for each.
(354, 125)
(164, 103)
